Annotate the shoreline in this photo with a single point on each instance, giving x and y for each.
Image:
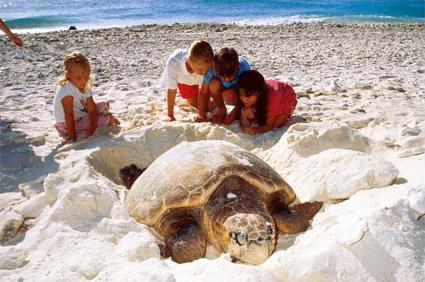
(241, 23)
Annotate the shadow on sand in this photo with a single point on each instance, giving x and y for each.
(18, 161)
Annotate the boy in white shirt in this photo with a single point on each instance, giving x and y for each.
(184, 71)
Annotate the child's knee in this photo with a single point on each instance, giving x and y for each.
(230, 96)
(214, 86)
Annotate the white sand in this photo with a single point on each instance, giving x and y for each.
(356, 141)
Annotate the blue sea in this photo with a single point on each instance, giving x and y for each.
(32, 15)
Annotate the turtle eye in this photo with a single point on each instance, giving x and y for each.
(241, 238)
(269, 227)
(238, 236)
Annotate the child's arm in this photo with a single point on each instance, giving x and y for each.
(203, 103)
(216, 90)
(247, 117)
(233, 115)
(93, 115)
(171, 100)
(261, 129)
(18, 42)
(67, 105)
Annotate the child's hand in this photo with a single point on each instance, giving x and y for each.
(249, 112)
(249, 130)
(229, 119)
(18, 42)
(68, 140)
(219, 117)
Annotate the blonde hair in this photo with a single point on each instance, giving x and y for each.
(201, 51)
(76, 63)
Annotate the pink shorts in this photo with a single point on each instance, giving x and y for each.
(188, 91)
(83, 123)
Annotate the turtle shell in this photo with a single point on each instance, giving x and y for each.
(186, 175)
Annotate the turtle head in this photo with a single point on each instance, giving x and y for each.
(252, 237)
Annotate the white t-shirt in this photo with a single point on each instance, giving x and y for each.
(79, 103)
(175, 71)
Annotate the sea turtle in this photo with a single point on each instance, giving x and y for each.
(218, 193)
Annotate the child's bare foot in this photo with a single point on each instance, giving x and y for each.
(171, 118)
(113, 120)
(228, 120)
(105, 111)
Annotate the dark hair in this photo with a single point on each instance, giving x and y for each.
(253, 81)
(226, 62)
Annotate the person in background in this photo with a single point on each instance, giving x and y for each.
(184, 71)
(266, 104)
(15, 39)
(74, 108)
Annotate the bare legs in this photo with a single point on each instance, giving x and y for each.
(193, 101)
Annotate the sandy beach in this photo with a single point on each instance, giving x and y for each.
(356, 141)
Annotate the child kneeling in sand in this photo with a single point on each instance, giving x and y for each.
(74, 108)
(184, 70)
(221, 80)
(266, 104)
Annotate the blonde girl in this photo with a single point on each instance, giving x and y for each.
(74, 108)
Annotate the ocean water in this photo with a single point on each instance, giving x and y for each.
(32, 15)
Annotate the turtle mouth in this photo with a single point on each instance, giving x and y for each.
(252, 237)
(253, 252)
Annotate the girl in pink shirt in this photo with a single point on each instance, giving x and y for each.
(266, 104)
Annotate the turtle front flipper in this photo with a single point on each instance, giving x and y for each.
(308, 209)
(188, 243)
(295, 219)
